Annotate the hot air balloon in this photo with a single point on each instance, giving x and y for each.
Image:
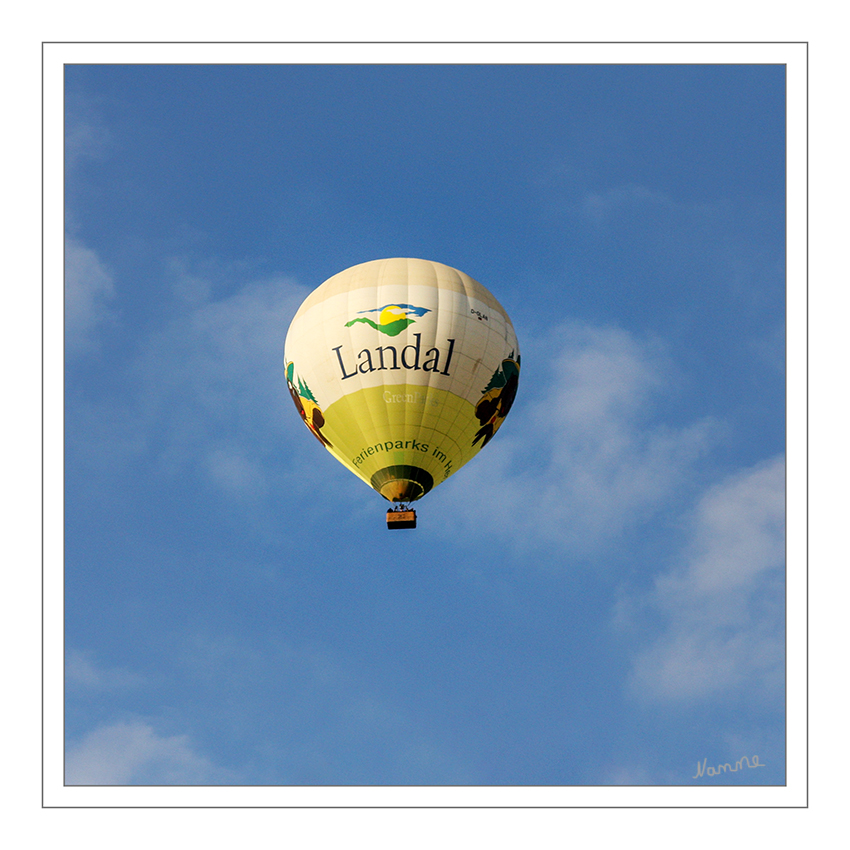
(403, 369)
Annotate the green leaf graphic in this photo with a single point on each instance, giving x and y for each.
(390, 329)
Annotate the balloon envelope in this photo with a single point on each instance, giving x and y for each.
(403, 369)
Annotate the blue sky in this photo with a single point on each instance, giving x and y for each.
(596, 599)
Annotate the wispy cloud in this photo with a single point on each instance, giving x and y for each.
(126, 751)
(722, 608)
(332, 723)
(629, 775)
(587, 448)
(206, 390)
(215, 372)
(133, 753)
(600, 205)
(89, 283)
(86, 134)
(89, 296)
(84, 674)
(232, 471)
(770, 347)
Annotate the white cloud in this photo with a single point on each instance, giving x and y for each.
(89, 290)
(127, 752)
(628, 775)
(218, 367)
(723, 608)
(770, 348)
(86, 135)
(209, 382)
(600, 206)
(581, 461)
(89, 285)
(206, 394)
(330, 721)
(132, 753)
(82, 673)
(232, 471)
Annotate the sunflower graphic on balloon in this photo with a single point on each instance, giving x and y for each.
(497, 399)
(307, 405)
